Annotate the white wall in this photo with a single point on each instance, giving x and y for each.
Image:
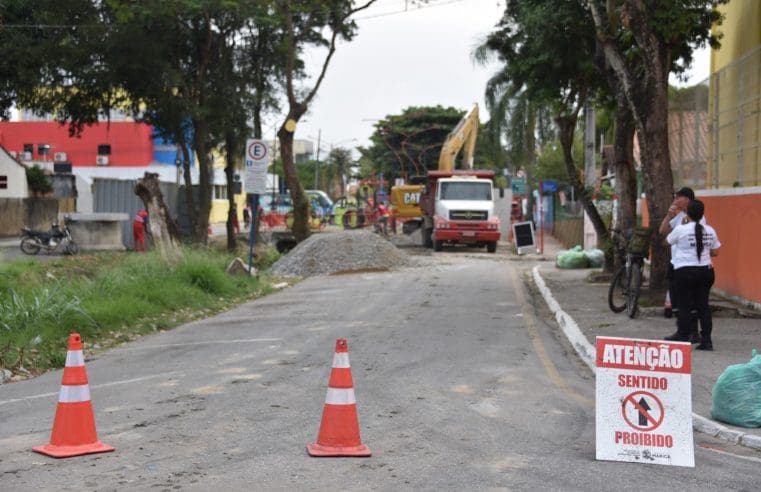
(16, 173)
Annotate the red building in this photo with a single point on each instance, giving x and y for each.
(118, 144)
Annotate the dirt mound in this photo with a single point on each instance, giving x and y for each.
(333, 252)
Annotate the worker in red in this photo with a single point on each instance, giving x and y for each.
(383, 216)
(139, 228)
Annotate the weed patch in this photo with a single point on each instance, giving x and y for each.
(110, 298)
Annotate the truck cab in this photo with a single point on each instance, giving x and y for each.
(458, 207)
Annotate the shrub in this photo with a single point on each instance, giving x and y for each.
(37, 180)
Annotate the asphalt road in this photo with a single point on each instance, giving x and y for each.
(10, 251)
(462, 379)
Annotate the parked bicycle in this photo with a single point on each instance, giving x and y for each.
(625, 287)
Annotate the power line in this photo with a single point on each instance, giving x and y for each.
(406, 10)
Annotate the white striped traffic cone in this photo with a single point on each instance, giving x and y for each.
(74, 425)
(339, 429)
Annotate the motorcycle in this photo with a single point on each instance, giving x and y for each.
(33, 241)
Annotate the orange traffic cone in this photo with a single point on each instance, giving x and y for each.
(339, 429)
(74, 425)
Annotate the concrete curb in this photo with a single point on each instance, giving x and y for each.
(571, 330)
(587, 353)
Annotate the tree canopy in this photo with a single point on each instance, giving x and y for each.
(408, 144)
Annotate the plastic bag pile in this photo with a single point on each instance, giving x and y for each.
(578, 258)
(737, 394)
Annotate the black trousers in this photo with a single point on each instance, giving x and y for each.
(692, 285)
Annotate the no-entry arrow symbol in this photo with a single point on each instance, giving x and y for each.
(639, 410)
(643, 409)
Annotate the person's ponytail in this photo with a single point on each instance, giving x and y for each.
(695, 212)
(699, 239)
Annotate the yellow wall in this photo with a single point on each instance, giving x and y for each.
(741, 31)
(219, 209)
(735, 87)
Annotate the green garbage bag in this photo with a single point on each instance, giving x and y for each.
(595, 257)
(573, 258)
(737, 394)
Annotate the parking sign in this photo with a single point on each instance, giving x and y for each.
(257, 161)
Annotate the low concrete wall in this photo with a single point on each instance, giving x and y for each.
(37, 213)
(98, 231)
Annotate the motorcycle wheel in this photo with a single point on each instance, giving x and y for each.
(72, 248)
(29, 246)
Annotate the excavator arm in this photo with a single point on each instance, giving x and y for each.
(462, 137)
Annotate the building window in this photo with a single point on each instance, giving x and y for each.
(104, 149)
(3, 182)
(29, 148)
(220, 192)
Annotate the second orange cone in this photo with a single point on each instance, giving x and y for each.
(339, 429)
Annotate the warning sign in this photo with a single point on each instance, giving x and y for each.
(257, 160)
(644, 401)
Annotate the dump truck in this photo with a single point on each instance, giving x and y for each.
(458, 208)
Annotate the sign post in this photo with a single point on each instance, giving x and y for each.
(644, 402)
(255, 179)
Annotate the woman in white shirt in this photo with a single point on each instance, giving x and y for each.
(694, 245)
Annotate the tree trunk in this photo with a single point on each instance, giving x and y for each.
(566, 127)
(190, 204)
(205, 183)
(230, 147)
(643, 81)
(163, 228)
(300, 226)
(659, 186)
(626, 177)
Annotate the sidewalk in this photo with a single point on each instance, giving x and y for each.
(581, 309)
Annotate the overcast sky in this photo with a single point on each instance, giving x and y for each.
(417, 57)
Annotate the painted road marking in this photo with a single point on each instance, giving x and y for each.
(103, 385)
(536, 340)
(208, 342)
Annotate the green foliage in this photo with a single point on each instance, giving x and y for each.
(45, 305)
(109, 298)
(37, 180)
(551, 65)
(205, 277)
(409, 144)
(550, 164)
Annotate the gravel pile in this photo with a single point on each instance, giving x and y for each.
(346, 251)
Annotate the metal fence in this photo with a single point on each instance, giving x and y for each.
(736, 125)
(688, 136)
(715, 129)
(114, 195)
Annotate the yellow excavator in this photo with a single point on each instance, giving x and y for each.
(405, 199)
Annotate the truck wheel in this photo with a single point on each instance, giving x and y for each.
(427, 239)
(438, 245)
(491, 246)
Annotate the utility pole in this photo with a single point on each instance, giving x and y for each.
(317, 163)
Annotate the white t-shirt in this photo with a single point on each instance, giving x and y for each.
(677, 220)
(684, 252)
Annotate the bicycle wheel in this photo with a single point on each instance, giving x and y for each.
(635, 281)
(617, 292)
